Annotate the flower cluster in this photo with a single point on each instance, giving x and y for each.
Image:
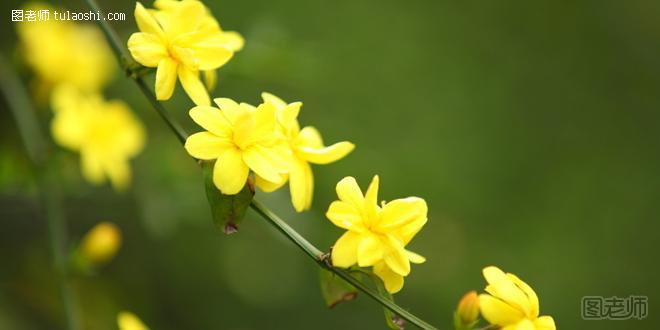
(73, 64)
(180, 39)
(266, 140)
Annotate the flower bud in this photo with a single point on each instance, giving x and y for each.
(467, 311)
(101, 243)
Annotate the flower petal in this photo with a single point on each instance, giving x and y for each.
(327, 155)
(345, 215)
(232, 40)
(401, 212)
(146, 22)
(211, 55)
(349, 192)
(529, 292)
(147, 49)
(397, 260)
(371, 201)
(92, 166)
(370, 251)
(495, 311)
(165, 78)
(415, 258)
(301, 185)
(267, 186)
(344, 252)
(502, 287)
(312, 137)
(266, 162)
(393, 281)
(545, 323)
(230, 172)
(210, 79)
(274, 100)
(193, 85)
(207, 146)
(119, 173)
(525, 324)
(211, 119)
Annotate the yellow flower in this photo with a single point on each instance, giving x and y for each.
(240, 138)
(511, 303)
(376, 236)
(66, 52)
(101, 243)
(179, 42)
(307, 147)
(105, 133)
(231, 39)
(128, 321)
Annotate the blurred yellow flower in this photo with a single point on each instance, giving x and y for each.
(511, 303)
(105, 133)
(101, 243)
(376, 236)
(467, 311)
(66, 52)
(307, 147)
(128, 321)
(179, 41)
(231, 39)
(240, 138)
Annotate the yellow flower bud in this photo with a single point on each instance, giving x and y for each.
(101, 243)
(128, 321)
(467, 311)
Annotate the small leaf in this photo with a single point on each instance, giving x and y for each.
(334, 289)
(227, 210)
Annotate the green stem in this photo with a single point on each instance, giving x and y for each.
(317, 255)
(51, 201)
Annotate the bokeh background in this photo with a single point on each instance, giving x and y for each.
(532, 129)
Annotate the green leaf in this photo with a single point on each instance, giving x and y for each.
(392, 320)
(334, 289)
(227, 210)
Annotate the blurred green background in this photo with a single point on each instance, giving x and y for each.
(530, 127)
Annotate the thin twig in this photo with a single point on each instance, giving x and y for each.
(313, 252)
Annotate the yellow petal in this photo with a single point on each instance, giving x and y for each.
(265, 162)
(264, 123)
(267, 186)
(165, 78)
(92, 166)
(288, 117)
(393, 281)
(525, 324)
(370, 251)
(193, 86)
(274, 100)
(301, 185)
(230, 109)
(207, 146)
(212, 56)
(128, 321)
(345, 215)
(211, 119)
(344, 252)
(371, 200)
(401, 212)
(415, 258)
(328, 154)
(232, 40)
(502, 287)
(545, 323)
(397, 258)
(147, 49)
(406, 232)
(312, 137)
(230, 172)
(529, 292)
(146, 22)
(497, 312)
(210, 79)
(119, 173)
(349, 192)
